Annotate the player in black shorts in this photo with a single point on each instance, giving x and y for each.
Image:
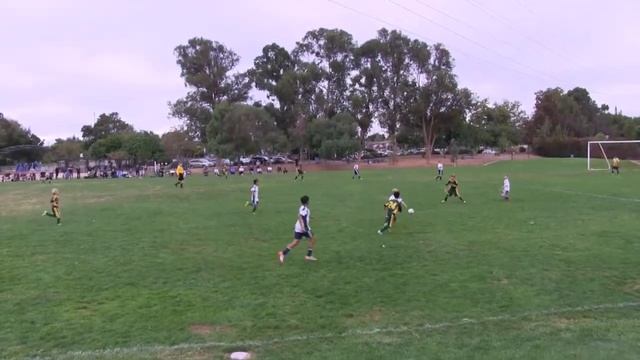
(452, 189)
(299, 173)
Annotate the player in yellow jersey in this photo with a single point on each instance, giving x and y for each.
(180, 174)
(615, 165)
(453, 189)
(55, 206)
(392, 207)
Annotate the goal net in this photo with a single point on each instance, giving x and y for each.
(600, 154)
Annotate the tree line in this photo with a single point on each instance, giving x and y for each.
(324, 96)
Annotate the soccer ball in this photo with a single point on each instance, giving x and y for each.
(411, 211)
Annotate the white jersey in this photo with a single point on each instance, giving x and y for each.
(396, 199)
(356, 167)
(440, 167)
(305, 214)
(506, 185)
(255, 193)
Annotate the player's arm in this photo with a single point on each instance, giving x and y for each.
(302, 220)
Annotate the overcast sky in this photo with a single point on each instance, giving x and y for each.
(64, 60)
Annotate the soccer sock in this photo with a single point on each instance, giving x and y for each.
(285, 251)
(309, 252)
(58, 220)
(446, 197)
(385, 227)
(255, 207)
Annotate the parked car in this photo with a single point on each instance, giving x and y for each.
(199, 163)
(262, 159)
(279, 159)
(245, 160)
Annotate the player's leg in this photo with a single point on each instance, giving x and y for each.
(56, 214)
(296, 240)
(459, 196)
(387, 224)
(312, 244)
(255, 206)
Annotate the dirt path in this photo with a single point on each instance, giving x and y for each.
(413, 162)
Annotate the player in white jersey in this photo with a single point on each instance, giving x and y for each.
(356, 172)
(302, 229)
(506, 188)
(255, 196)
(440, 171)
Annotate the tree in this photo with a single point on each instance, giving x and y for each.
(238, 129)
(206, 68)
(393, 82)
(18, 143)
(103, 148)
(66, 150)
(333, 138)
(363, 99)
(178, 144)
(331, 51)
(436, 94)
(275, 71)
(143, 146)
(501, 124)
(105, 126)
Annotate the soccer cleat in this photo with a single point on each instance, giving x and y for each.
(310, 258)
(246, 204)
(44, 213)
(379, 232)
(442, 202)
(464, 202)
(281, 257)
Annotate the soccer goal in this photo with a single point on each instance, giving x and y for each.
(600, 153)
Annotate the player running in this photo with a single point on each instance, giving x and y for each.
(302, 229)
(453, 189)
(299, 173)
(392, 207)
(255, 196)
(55, 206)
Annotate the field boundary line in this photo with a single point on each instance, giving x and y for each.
(594, 195)
(492, 162)
(248, 344)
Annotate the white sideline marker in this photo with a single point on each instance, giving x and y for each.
(148, 349)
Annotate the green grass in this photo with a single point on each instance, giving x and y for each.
(138, 262)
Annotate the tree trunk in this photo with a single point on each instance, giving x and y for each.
(427, 148)
(430, 138)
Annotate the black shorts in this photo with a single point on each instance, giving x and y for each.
(180, 177)
(300, 172)
(440, 172)
(453, 191)
(300, 235)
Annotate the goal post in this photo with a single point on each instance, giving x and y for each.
(599, 153)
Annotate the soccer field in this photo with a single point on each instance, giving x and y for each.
(142, 270)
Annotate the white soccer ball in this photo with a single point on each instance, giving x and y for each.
(411, 211)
